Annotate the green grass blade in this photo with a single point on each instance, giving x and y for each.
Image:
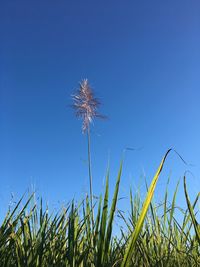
(102, 232)
(112, 212)
(191, 211)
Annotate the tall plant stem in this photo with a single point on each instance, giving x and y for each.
(90, 174)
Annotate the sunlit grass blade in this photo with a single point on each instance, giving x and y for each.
(129, 251)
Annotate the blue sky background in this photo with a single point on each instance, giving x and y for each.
(142, 59)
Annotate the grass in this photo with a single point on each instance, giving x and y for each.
(150, 236)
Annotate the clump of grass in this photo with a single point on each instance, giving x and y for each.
(152, 236)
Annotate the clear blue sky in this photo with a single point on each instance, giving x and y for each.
(143, 60)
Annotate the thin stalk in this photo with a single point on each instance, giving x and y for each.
(90, 174)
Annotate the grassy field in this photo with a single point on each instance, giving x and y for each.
(79, 235)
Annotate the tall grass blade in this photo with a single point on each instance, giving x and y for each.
(112, 212)
(129, 251)
(191, 211)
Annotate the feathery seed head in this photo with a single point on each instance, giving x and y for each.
(85, 104)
